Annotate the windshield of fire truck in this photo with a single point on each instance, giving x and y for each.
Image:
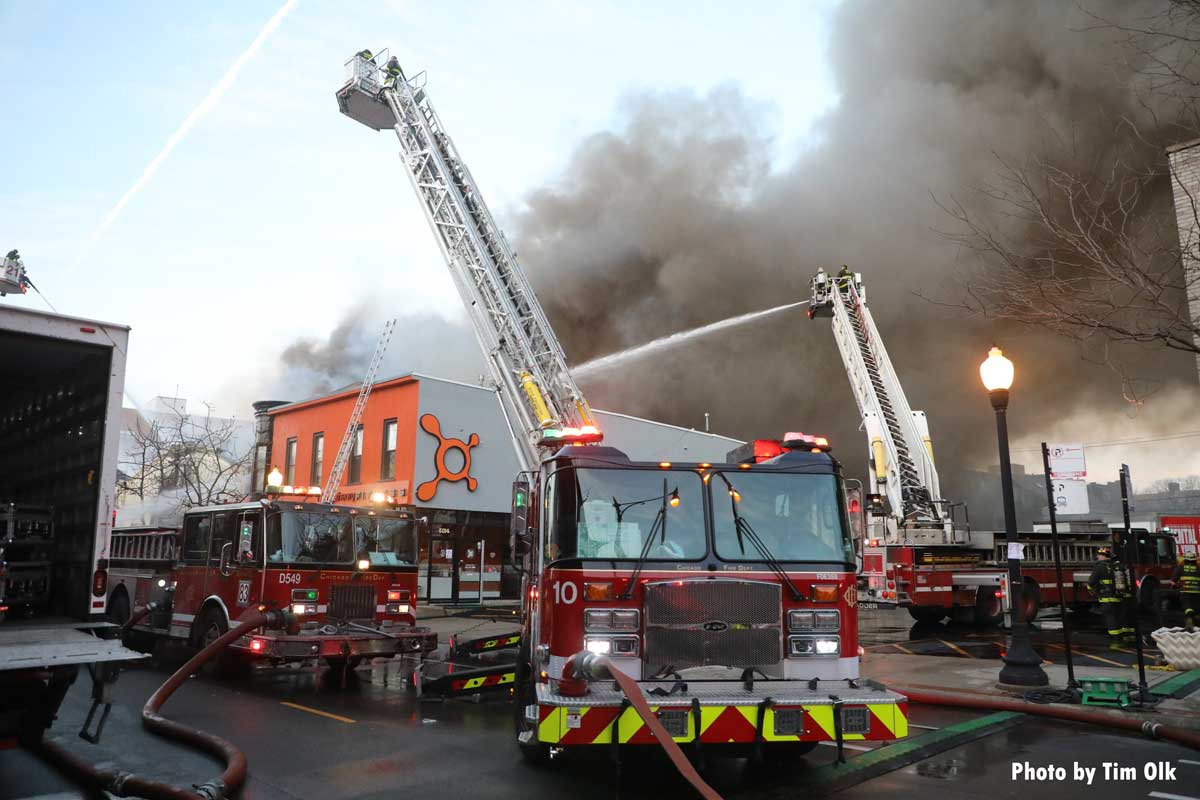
(388, 542)
(625, 514)
(310, 536)
(795, 515)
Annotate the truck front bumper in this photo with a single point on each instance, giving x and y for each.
(723, 712)
(344, 644)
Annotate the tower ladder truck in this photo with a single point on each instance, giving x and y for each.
(610, 548)
(914, 553)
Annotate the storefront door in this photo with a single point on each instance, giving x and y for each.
(442, 573)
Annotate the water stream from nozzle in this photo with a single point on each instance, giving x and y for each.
(673, 340)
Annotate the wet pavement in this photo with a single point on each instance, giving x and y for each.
(374, 739)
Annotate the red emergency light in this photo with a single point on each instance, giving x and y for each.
(766, 449)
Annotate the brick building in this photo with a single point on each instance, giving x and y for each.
(445, 448)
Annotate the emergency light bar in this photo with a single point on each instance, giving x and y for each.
(796, 439)
(587, 434)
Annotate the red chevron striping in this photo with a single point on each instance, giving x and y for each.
(879, 728)
(544, 711)
(729, 726)
(592, 724)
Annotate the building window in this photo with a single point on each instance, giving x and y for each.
(318, 459)
(356, 457)
(387, 471)
(289, 463)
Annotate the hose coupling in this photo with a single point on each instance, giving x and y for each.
(117, 784)
(211, 790)
(1150, 729)
(590, 666)
(282, 620)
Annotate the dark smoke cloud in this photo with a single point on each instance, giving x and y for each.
(676, 218)
(421, 342)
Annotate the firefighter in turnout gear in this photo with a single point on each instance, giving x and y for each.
(393, 73)
(844, 277)
(1187, 580)
(1110, 583)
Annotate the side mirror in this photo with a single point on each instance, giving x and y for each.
(519, 543)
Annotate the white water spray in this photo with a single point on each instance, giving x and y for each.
(206, 105)
(674, 340)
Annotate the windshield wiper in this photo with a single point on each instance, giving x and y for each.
(660, 525)
(743, 528)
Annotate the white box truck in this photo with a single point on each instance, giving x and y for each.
(60, 427)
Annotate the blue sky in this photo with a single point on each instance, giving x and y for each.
(275, 214)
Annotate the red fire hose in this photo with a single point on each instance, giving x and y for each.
(1154, 730)
(124, 784)
(593, 667)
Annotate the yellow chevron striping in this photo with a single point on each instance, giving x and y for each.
(550, 729)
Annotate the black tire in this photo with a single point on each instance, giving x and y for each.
(226, 664)
(989, 611)
(1031, 600)
(1149, 597)
(928, 615)
(785, 753)
(524, 694)
(118, 607)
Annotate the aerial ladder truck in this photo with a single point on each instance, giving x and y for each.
(915, 553)
(626, 576)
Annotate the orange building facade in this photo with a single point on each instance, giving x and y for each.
(439, 446)
(445, 449)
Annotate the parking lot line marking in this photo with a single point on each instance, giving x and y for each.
(317, 711)
(1082, 654)
(956, 648)
(903, 649)
(1165, 796)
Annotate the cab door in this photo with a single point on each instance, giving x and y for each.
(235, 560)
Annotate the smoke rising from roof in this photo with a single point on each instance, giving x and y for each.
(678, 217)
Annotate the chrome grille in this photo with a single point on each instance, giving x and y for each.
(351, 601)
(728, 623)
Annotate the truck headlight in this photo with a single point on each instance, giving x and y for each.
(828, 620)
(814, 646)
(611, 645)
(397, 608)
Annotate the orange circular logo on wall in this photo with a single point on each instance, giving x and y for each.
(428, 490)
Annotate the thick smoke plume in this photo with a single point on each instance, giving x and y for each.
(422, 342)
(678, 218)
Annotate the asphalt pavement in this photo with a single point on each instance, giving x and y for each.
(375, 739)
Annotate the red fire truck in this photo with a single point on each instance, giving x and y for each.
(348, 573)
(971, 584)
(727, 590)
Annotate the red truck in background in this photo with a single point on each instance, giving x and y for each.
(1185, 529)
(349, 574)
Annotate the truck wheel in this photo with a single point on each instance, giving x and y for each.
(1031, 600)
(524, 694)
(1149, 597)
(928, 615)
(989, 611)
(118, 607)
(780, 753)
(227, 663)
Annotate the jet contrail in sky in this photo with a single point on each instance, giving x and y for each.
(206, 105)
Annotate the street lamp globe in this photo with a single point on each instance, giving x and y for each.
(996, 371)
(274, 477)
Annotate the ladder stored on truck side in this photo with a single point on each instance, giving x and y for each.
(539, 397)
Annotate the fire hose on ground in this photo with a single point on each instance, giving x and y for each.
(124, 784)
(586, 666)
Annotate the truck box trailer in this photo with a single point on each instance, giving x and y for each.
(59, 431)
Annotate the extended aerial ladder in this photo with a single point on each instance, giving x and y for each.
(901, 453)
(360, 405)
(539, 397)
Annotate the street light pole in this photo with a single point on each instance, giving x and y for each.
(1022, 665)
